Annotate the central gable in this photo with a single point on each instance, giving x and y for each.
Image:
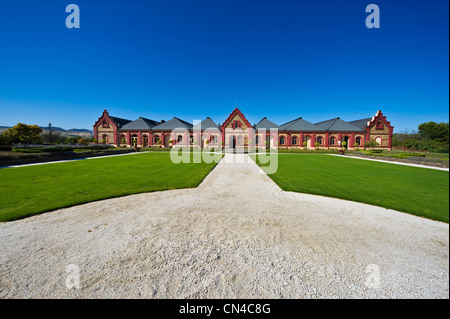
(236, 117)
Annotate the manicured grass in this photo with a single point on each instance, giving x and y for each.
(30, 190)
(414, 190)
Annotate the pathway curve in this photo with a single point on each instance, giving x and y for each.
(237, 235)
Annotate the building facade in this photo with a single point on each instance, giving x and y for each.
(237, 132)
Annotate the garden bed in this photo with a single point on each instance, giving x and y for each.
(420, 159)
(7, 159)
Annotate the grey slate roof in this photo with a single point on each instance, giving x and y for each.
(335, 125)
(140, 124)
(300, 125)
(361, 123)
(173, 124)
(207, 123)
(265, 124)
(119, 121)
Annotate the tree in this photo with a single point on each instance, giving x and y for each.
(372, 144)
(52, 138)
(435, 131)
(24, 134)
(83, 141)
(72, 140)
(412, 144)
(4, 140)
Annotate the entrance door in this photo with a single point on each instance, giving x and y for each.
(307, 139)
(346, 139)
(233, 141)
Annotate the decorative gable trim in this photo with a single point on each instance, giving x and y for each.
(232, 115)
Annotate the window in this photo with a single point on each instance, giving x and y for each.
(215, 139)
(378, 140)
(257, 139)
(320, 140)
(281, 140)
(191, 139)
(358, 141)
(379, 126)
(294, 140)
(105, 123)
(156, 139)
(236, 124)
(332, 140)
(145, 137)
(239, 140)
(180, 138)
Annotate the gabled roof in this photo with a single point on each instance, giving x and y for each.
(238, 112)
(335, 125)
(207, 123)
(362, 124)
(265, 124)
(172, 124)
(300, 125)
(140, 124)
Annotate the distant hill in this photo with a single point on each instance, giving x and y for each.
(70, 132)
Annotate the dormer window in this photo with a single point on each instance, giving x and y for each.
(105, 123)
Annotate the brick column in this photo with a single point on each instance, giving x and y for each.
(351, 141)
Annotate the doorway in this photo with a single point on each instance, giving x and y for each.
(232, 141)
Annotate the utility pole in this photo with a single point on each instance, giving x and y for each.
(50, 133)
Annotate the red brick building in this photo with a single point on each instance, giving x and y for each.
(236, 132)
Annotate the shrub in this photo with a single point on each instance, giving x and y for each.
(83, 141)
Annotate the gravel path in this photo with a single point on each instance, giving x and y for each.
(235, 236)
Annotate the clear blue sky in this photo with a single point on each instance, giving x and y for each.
(192, 59)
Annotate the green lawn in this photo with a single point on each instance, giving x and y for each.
(30, 190)
(418, 191)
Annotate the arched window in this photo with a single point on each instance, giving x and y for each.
(332, 140)
(156, 138)
(380, 125)
(105, 123)
(294, 140)
(320, 140)
(282, 140)
(358, 141)
(257, 139)
(145, 138)
(179, 138)
(378, 140)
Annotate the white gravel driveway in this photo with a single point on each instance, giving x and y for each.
(235, 236)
